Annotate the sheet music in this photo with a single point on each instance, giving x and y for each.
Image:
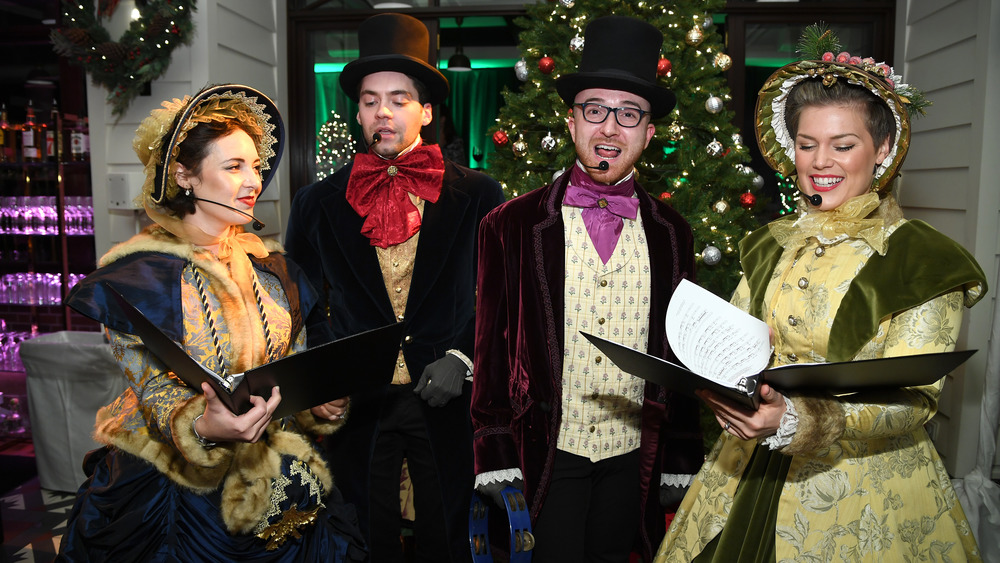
(713, 338)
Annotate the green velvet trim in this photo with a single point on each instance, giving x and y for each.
(759, 254)
(749, 533)
(921, 264)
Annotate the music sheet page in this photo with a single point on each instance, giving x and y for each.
(713, 338)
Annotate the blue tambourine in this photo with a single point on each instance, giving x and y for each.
(521, 540)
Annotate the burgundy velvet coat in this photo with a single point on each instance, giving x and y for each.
(517, 386)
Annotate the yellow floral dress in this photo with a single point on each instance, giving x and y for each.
(863, 481)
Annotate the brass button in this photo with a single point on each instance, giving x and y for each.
(395, 263)
(399, 316)
(792, 321)
(392, 170)
(604, 283)
(597, 360)
(600, 321)
(820, 251)
(803, 283)
(593, 429)
(402, 364)
(399, 290)
(793, 358)
(407, 338)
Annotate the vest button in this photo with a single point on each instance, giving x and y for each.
(803, 283)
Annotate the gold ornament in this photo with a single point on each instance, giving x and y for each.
(674, 131)
(720, 207)
(520, 148)
(722, 61)
(694, 37)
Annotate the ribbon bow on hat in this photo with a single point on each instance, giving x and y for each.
(379, 189)
(605, 208)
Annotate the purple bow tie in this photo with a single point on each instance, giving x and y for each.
(604, 208)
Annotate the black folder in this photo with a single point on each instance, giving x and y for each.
(308, 378)
(836, 377)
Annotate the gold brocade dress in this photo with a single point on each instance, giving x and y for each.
(861, 480)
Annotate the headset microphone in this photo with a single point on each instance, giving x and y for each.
(602, 166)
(816, 200)
(257, 224)
(376, 137)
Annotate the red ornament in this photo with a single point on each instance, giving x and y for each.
(546, 64)
(499, 139)
(665, 196)
(663, 66)
(747, 200)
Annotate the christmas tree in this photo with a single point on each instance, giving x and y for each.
(334, 146)
(695, 161)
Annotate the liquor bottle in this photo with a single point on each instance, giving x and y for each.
(6, 136)
(77, 142)
(86, 138)
(53, 135)
(30, 151)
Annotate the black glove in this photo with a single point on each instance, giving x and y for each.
(494, 489)
(442, 380)
(671, 496)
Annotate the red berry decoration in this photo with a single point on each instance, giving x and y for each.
(747, 200)
(665, 196)
(546, 65)
(663, 66)
(500, 139)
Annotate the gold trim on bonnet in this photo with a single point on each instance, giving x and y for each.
(216, 103)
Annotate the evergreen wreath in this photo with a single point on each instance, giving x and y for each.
(140, 55)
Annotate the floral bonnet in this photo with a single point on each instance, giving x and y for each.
(824, 59)
(158, 138)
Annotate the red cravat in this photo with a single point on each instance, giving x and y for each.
(378, 191)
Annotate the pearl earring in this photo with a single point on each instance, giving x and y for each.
(187, 192)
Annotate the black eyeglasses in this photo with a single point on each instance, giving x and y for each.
(596, 113)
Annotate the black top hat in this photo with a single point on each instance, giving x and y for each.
(620, 53)
(397, 43)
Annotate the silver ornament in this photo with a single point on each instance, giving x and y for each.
(737, 139)
(706, 21)
(567, 3)
(548, 143)
(521, 70)
(758, 181)
(714, 104)
(711, 255)
(714, 148)
(744, 169)
(576, 44)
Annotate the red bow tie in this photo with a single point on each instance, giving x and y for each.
(378, 191)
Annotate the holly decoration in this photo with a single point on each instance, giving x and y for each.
(663, 66)
(546, 64)
(138, 57)
(500, 139)
(747, 200)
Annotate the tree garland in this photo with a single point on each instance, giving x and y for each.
(140, 55)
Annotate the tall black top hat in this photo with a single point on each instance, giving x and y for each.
(397, 43)
(620, 53)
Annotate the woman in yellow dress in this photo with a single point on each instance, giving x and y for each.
(823, 477)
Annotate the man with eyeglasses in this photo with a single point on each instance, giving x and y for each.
(601, 455)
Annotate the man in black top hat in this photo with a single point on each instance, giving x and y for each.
(601, 455)
(391, 238)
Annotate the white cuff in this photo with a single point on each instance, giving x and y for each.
(676, 480)
(465, 359)
(786, 427)
(498, 476)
